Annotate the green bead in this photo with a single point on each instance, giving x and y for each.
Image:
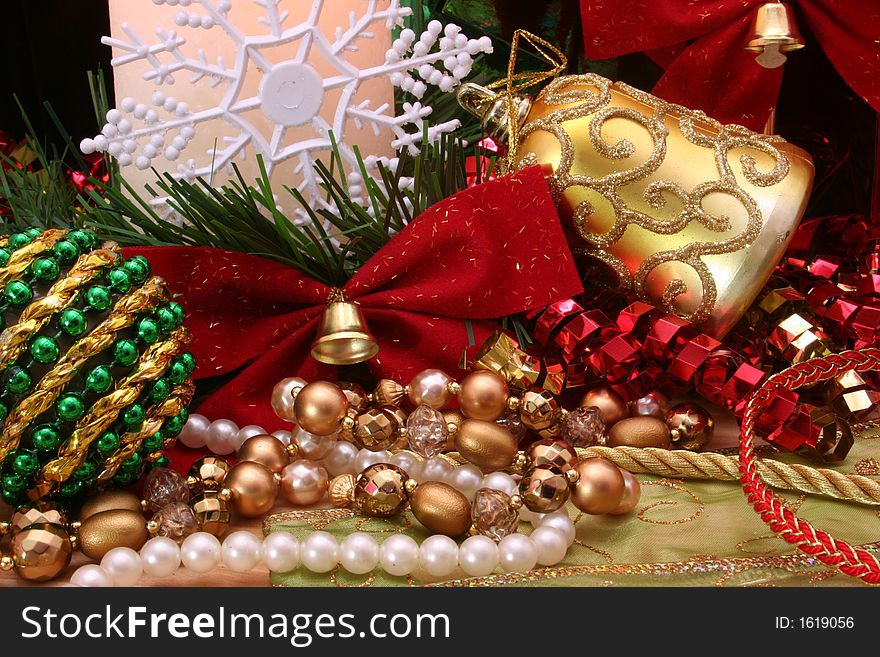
(4, 257)
(120, 280)
(70, 407)
(132, 463)
(177, 373)
(18, 293)
(148, 330)
(19, 381)
(98, 297)
(71, 488)
(159, 391)
(134, 415)
(99, 379)
(167, 319)
(84, 239)
(189, 361)
(153, 443)
(45, 349)
(14, 482)
(108, 443)
(138, 268)
(46, 437)
(184, 415)
(125, 352)
(125, 478)
(73, 322)
(162, 462)
(10, 497)
(18, 240)
(33, 233)
(25, 463)
(66, 251)
(172, 426)
(177, 310)
(45, 269)
(85, 472)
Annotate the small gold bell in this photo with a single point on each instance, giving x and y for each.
(774, 31)
(343, 337)
(491, 108)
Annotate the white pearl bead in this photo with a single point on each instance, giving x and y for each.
(409, 463)
(200, 552)
(221, 437)
(438, 555)
(311, 446)
(320, 552)
(91, 575)
(281, 552)
(284, 436)
(282, 397)
(340, 458)
(124, 566)
(478, 556)
(241, 551)
(560, 521)
(501, 481)
(517, 553)
(365, 458)
(435, 469)
(467, 479)
(244, 433)
(359, 553)
(399, 555)
(160, 557)
(195, 431)
(552, 545)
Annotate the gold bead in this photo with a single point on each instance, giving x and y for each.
(513, 403)
(376, 429)
(441, 508)
(153, 527)
(341, 490)
(110, 500)
(347, 423)
(293, 451)
(212, 513)
(192, 481)
(265, 449)
(572, 476)
(104, 531)
(453, 387)
(209, 473)
(521, 461)
(41, 552)
(4, 527)
(639, 431)
(539, 409)
(380, 491)
(74, 542)
(410, 485)
(388, 392)
(319, 407)
(253, 487)
(225, 494)
(473, 531)
(451, 428)
(6, 563)
(691, 426)
(516, 502)
(487, 445)
(483, 396)
(145, 506)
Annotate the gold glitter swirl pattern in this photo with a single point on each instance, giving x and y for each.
(643, 513)
(104, 412)
(131, 441)
(596, 100)
(22, 258)
(63, 293)
(53, 382)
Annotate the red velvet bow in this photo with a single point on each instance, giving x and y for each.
(715, 73)
(489, 251)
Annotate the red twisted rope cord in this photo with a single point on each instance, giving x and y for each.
(852, 561)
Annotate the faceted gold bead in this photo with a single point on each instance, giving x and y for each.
(555, 452)
(209, 473)
(41, 552)
(212, 513)
(376, 428)
(388, 392)
(544, 489)
(357, 396)
(516, 502)
(341, 490)
(539, 409)
(26, 516)
(380, 491)
(6, 563)
(5, 527)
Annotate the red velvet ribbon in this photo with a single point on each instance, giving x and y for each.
(489, 251)
(714, 72)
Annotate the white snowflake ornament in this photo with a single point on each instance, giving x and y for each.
(259, 82)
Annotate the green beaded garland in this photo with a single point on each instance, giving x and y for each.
(25, 463)
(138, 267)
(120, 280)
(4, 257)
(148, 330)
(65, 251)
(70, 407)
(134, 415)
(159, 391)
(18, 240)
(177, 373)
(45, 349)
(46, 437)
(125, 353)
(153, 443)
(172, 426)
(99, 298)
(99, 379)
(107, 443)
(84, 239)
(73, 322)
(45, 269)
(85, 472)
(18, 293)
(19, 381)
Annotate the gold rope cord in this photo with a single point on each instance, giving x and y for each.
(61, 295)
(22, 258)
(683, 464)
(131, 441)
(53, 382)
(104, 412)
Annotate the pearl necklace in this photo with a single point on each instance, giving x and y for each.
(320, 552)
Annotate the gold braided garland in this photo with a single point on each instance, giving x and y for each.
(105, 411)
(53, 382)
(156, 415)
(684, 464)
(22, 258)
(61, 295)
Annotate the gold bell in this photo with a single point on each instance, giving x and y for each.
(343, 337)
(491, 108)
(774, 31)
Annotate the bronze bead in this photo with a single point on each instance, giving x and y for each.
(376, 428)
(356, 395)
(690, 426)
(486, 444)
(544, 489)
(441, 509)
(610, 405)
(253, 488)
(483, 396)
(452, 416)
(212, 513)
(109, 501)
(552, 451)
(639, 431)
(265, 449)
(207, 474)
(539, 409)
(101, 532)
(319, 408)
(341, 491)
(31, 515)
(600, 486)
(388, 392)
(41, 551)
(380, 491)
(631, 494)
